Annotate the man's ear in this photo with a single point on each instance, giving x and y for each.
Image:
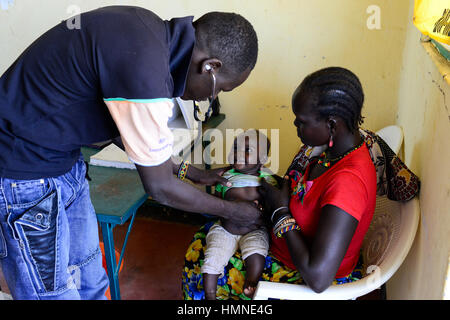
(211, 65)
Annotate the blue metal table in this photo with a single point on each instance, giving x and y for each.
(116, 195)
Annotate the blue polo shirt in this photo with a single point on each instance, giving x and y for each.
(52, 99)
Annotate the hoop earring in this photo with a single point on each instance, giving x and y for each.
(211, 101)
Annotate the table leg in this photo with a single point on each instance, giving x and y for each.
(108, 241)
(125, 242)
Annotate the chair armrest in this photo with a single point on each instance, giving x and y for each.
(5, 296)
(346, 291)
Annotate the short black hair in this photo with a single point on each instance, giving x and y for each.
(228, 37)
(337, 92)
(262, 152)
(258, 133)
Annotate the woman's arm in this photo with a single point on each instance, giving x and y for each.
(319, 263)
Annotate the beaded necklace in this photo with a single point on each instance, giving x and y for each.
(324, 161)
(299, 184)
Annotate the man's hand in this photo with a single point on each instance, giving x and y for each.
(245, 212)
(244, 218)
(239, 229)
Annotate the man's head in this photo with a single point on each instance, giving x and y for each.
(226, 49)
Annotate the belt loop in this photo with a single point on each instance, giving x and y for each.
(52, 182)
(2, 190)
(8, 209)
(87, 169)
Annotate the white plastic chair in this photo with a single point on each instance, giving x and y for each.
(386, 244)
(5, 296)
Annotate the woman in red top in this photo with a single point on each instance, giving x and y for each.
(320, 216)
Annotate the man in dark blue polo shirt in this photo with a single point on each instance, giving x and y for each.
(113, 78)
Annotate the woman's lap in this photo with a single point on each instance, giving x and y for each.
(230, 285)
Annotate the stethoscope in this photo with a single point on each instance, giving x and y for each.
(211, 100)
(197, 110)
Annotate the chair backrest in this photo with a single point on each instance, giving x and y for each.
(393, 136)
(390, 236)
(383, 232)
(384, 229)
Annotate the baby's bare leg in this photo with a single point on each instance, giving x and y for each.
(254, 266)
(210, 285)
(220, 247)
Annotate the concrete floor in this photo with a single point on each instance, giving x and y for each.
(154, 259)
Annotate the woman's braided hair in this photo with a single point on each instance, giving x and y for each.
(337, 92)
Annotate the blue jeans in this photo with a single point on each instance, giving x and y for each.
(49, 244)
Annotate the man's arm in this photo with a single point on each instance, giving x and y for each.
(160, 183)
(205, 177)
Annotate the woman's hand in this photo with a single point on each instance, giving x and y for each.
(208, 177)
(273, 197)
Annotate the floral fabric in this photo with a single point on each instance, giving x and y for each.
(230, 285)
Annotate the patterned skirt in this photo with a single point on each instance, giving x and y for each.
(230, 285)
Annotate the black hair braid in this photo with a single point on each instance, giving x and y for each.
(339, 93)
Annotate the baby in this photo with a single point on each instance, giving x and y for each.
(247, 157)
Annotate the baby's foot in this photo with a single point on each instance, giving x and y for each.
(249, 291)
(250, 288)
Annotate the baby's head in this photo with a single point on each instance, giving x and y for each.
(249, 152)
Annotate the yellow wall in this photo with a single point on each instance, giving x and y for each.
(295, 37)
(423, 112)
